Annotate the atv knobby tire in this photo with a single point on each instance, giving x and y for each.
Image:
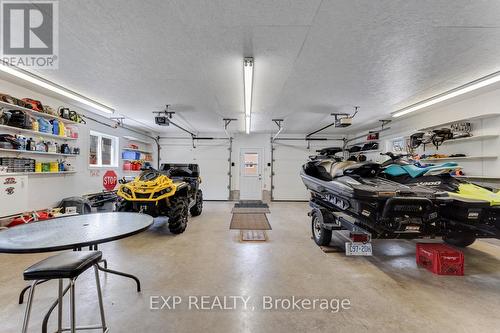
(198, 206)
(124, 206)
(459, 238)
(178, 215)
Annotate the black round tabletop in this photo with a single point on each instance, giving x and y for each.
(72, 232)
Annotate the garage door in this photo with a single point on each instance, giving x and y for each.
(212, 157)
(288, 159)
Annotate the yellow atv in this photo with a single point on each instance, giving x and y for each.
(174, 191)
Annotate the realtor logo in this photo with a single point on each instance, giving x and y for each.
(30, 33)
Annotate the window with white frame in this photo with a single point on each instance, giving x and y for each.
(103, 150)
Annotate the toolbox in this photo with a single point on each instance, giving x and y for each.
(440, 259)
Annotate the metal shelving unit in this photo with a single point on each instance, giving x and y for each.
(459, 158)
(34, 152)
(37, 173)
(36, 133)
(471, 138)
(37, 113)
(483, 116)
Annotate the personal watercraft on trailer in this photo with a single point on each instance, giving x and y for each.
(384, 208)
(469, 211)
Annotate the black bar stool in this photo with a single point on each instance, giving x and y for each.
(67, 265)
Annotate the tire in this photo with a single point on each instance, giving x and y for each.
(321, 236)
(198, 206)
(459, 238)
(178, 215)
(124, 206)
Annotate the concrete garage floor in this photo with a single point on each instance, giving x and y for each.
(387, 292)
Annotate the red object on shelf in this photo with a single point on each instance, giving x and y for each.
(136, 166)
(127, 166)
(440, 259)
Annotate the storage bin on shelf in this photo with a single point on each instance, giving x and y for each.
(16, 164)
(130, 155)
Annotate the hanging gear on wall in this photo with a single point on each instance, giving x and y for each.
(461, 130)
(440, 136)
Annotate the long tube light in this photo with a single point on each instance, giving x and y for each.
(36, 80)
(476, 84)
(248, 86)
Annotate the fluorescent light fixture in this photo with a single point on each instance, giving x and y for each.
(247, 124)
(248, 86)
(476, 84)
(31, 78)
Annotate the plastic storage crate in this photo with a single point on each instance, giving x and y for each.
(440, 259)
(15, 164)
(130, 155)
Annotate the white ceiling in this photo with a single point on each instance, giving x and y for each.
(312, 57)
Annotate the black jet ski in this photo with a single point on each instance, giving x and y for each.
(467, 211)
(385, 208)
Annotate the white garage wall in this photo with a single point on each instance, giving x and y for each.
(478, 104)
(47, 190)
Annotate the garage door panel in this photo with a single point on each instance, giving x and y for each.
(213, 161)
(212, 157)
(288, 159)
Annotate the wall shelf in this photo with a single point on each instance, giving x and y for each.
(37, 173)
(36, 133)
(366, 151)
(471, 138)
(37, 113)
(459, 158)
(130, 138)
(361, 143)
(483, 116)
(34, 152)
(137, 150)
(478, 177)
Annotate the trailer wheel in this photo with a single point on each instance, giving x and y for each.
(321, 235)
(198, 206)
(459, 238)
(178, 215)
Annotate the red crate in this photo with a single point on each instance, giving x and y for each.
(440, 259)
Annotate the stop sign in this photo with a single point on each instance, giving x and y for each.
(109, 180)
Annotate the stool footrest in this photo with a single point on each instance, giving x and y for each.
(81, 328)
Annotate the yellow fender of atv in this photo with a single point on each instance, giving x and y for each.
(471, 191)
(147, 188)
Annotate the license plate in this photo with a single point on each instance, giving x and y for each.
(358, 249)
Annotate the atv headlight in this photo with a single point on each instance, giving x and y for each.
(162, 192)
(127, 191)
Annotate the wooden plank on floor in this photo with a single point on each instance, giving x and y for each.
(250, 222)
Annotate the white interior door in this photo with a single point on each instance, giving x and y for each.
(251, 174)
